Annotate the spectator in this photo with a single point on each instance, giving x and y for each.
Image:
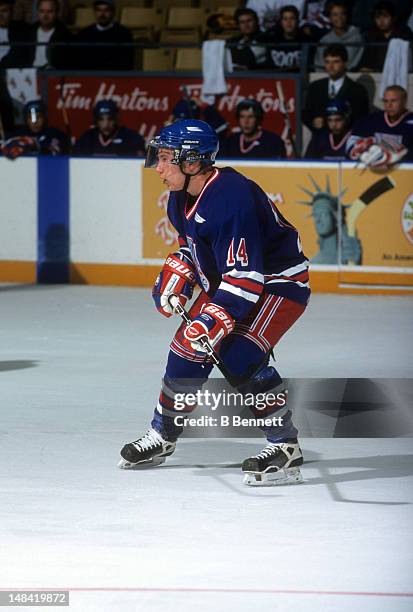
(47, 30)
(107, 138)
(330, 142)
(252, 142)
(342, 33)
(12, 32)
(105, 30)
(385, 136)
(246, 53)
(268, 11)
(288, 57)
(385, 28)
(23, 10)
(336, 85)
(36, 136)
(362, 11)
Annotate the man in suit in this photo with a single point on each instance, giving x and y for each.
(336, 85)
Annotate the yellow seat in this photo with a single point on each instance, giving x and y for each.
(188, 59)
(121, 4)
(214, 4)
(171, 3)
(158, 59)
(84, 17)
(176, 35)
(136, 17)
(189, 17)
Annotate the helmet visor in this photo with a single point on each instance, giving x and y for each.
(155, 148)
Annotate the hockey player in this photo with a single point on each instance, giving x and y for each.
(252, 142)
(36, 137)
(253, 275)
(385, 137)
(107, 138)
(330, 142)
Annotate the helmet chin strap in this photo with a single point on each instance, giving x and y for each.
(189, 176)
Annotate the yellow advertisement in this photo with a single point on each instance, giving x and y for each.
(345, 216)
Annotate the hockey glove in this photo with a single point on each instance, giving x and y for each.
(176, 278)
(18, 145)
(213, 323)
(383, 155)
(361, 146)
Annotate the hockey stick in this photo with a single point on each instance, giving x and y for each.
(65, 114)
(234, 381)
(369, 195)
(187, 98)
(284, 111)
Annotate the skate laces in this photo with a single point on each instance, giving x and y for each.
(151, 439)
(268, 451)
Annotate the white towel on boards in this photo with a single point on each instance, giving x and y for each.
(396, 65)
(216, 60)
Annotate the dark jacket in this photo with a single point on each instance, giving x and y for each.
(58, 57)
(317, 99)
(100, 57)
(17, 57)
(373, 57)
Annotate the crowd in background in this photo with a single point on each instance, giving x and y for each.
(268, 35)
(263, 35)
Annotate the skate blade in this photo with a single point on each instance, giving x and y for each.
(141, 465)
(285, 476)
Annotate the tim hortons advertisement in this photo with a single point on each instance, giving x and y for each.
(344, 216)
(146, 103)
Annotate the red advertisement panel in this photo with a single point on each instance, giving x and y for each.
(146, 102)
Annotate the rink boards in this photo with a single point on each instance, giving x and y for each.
(103, 221)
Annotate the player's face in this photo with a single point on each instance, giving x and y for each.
(35, 122)
(394, 104)
(5, 15)
(384, 21)
(103, 14)
(106, 125)
(169, 173)
(338, 17)
(289, 22)
(248, 122)
(336, 124)
(334, 66)
(247, 25)
(46, 14)
(324, 219)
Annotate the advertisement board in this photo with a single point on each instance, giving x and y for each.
(146, 103)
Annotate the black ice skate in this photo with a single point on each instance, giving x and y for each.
(151, 449)
(276, 464)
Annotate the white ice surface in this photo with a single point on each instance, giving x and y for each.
(79, 374)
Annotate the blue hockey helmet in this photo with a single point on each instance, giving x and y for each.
(191, 140)
(338, 106)
(186, 109)
(34, 107)
(105, 107)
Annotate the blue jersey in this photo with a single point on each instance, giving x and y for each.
(123, 143)
(399, 132)
(323, 145)
(240, 243)
(266, 145)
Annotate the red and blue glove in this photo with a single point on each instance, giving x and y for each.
(213, 323)
(176, 278)
(18, 145)
(362, 145)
